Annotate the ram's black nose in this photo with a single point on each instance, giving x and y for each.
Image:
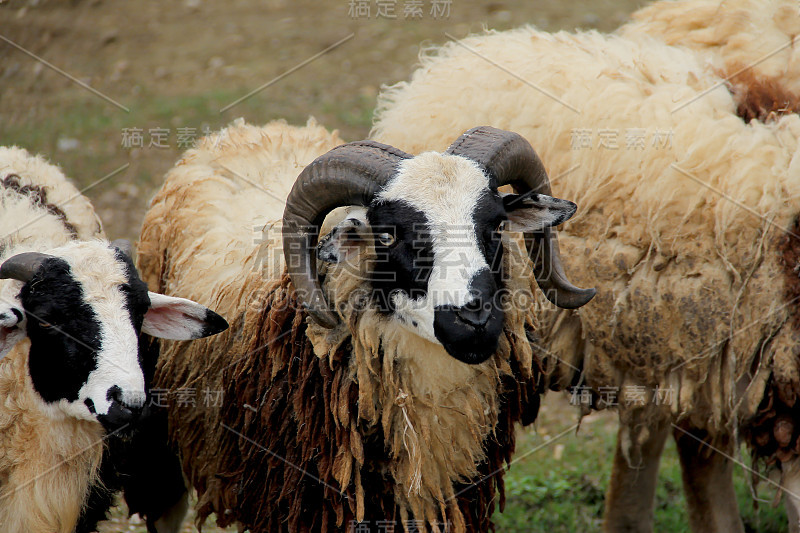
(120, 414)
(475, 314)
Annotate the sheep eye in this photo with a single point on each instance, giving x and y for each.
(501, 226)
(45, 325)
(386, 239)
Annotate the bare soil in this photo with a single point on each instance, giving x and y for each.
(175, 64)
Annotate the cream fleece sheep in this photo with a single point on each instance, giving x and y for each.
(46, 464)
(71, 313)
(688, 215)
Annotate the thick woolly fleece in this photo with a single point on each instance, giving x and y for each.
(750, 43)
(686, 215)
(319, 428)
(47, 465)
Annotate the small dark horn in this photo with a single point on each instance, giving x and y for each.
(123, 245)
(509, 159)
(351, 174)
(22, 266)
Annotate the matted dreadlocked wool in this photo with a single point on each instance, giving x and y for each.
(684, 211)
(773, 431)
(320, 428)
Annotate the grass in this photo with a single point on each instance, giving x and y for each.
(549, 492)
(99, 126)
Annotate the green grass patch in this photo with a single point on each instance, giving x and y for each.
(545, 495)
(100, 128)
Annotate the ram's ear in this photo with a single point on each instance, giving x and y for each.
(344, 241)
(534, 212)
(12, 327)
(180, 319)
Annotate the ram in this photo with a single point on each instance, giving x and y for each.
(688, 228)
(71, 309)
(379, 383)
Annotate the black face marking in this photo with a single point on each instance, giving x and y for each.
(13, 312)
(406, 264)
(119, 415)
(489, 214)
(469, 333)
(64, 332)
(137, 302)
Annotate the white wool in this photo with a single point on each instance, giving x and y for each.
(34, 170)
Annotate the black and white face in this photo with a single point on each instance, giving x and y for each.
(82, 312)
(437, 228)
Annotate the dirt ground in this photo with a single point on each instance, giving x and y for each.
(78, 78)
(175, 64)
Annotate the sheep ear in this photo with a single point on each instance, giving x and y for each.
(12, 327)
(344, 241)
(534, 212)
(180, 319)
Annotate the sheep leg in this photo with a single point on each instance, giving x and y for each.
(708, 484)
(172, 520)
(631, 492)
(792, 505)
(790, 481)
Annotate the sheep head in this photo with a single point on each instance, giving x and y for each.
(82, 306)
(435, 221)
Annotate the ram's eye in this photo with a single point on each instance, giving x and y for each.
(501, 226)
(45, 325)
(386, 239)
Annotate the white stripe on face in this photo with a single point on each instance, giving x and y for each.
(446, 188)
(100, 274)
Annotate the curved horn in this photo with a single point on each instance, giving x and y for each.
(351, 174)
(510, 160)
(22, 266)
(124, 246)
